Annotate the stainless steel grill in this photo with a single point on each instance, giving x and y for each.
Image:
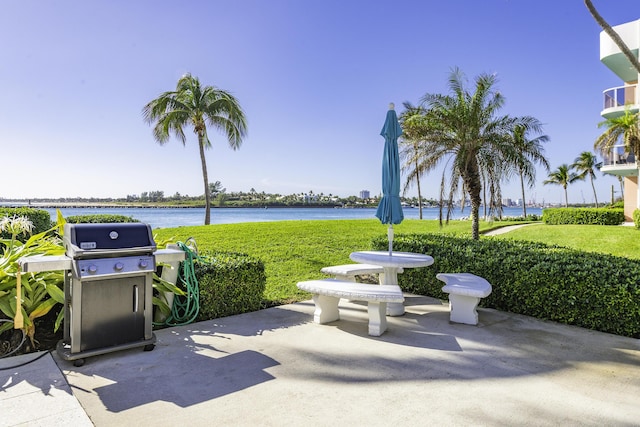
(108, 290)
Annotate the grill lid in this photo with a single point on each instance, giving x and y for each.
(110, 239)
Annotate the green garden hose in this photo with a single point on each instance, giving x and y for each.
(185, 308)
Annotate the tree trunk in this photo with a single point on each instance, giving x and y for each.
(205, 177)
(524, 202)
(614, 36)
(594, 190)
(473, 185)
(566, 198)
(419, 195)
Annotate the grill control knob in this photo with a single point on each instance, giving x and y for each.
(93, 269)
(143, 263)
(119, 266)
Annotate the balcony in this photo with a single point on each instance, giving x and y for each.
(616, 99)
(619, 162)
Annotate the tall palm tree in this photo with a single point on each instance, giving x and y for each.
(613, 35)
(530, 152)
(470, 139)
(192, 104)
(415, 127)
(625, 128)
(585, 165)
(562, 176)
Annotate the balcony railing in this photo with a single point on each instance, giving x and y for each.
(620, 96)
(618, 156)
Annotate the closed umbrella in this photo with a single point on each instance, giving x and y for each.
(390, 208)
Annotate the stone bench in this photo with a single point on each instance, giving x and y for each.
(465, 291)
(350, 271)
(327, 293)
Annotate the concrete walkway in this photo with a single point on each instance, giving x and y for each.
(275, 367)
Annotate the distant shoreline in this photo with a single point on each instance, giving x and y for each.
(110, 205)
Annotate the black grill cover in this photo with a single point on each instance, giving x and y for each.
(84, 238)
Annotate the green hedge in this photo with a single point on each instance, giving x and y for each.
(229, 283)
(636, 218)
(585, 216)
(99, 219)
(594, 291)
(40, 219)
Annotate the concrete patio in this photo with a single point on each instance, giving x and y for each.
(275, 367)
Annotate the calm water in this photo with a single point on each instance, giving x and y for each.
(175, 217)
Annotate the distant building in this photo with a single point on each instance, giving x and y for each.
(364, 194)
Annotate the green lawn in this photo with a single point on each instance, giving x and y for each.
(606, 239)
(296, 250)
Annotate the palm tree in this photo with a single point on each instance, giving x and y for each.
(470, 140)
(613, 35)
(530, 152)
(562, 176)
(585, 165)
(625, 128)
(415, 126)
(192, 104)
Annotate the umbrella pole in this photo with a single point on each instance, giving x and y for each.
(390, 237)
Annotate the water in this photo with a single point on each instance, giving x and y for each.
(176, 217)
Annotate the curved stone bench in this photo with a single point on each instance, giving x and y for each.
(465, 291)
(350, 271)
(327, 293)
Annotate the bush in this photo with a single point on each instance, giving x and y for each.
(99, 219)
(229, 283)
(594, 291)
(584, 216)
(636, 218)
(40, 219)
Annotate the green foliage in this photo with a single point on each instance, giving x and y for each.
(100, 219)
(591, 216)
(595, 291)
(40, 291)
(40, 219)
(229, 283)
(636, 218)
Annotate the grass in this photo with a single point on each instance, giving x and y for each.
(605, 239)
(296, 250)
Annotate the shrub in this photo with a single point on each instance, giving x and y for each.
(229, 283)
(40, 219)
(99, 219)
(584, 216)
(594, 291)
(636, 218)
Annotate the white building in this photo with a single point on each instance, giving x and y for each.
(618, 161)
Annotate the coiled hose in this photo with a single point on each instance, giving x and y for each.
(185, 308)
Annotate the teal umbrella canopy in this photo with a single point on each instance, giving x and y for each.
(390, 208)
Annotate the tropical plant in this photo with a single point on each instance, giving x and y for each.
(625, 128)
(585, 165)
(192, 104)
(472, 141)
(415, 127)
(530, 152)
(40, 292)
(562, 176)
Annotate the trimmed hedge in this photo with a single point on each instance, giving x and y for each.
(594, 291)
(636, 218)
(40, 219)
(584, 216)
(229, 283)
(99, 219)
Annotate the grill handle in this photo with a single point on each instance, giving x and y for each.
(135, 298)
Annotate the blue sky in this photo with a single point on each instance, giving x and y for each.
(315, 78)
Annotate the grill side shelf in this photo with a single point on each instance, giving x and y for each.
(38, 263)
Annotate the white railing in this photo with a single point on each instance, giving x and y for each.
(620, 96)
(618, 156)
